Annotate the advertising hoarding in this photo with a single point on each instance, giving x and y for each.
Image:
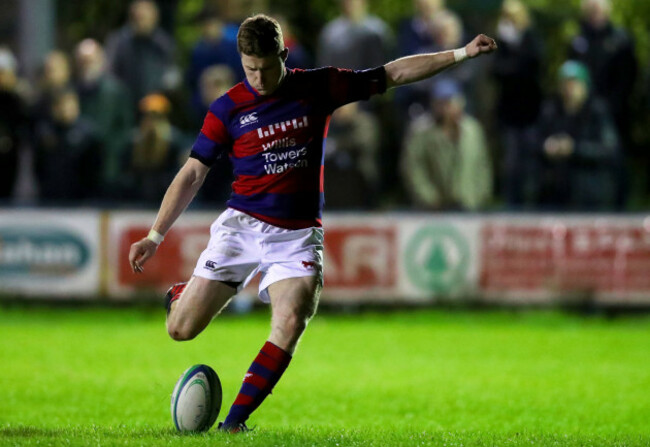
(50, 253)
(379, 258)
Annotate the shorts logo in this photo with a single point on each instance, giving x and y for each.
(309, 265)
(210, 265)
(248, 119)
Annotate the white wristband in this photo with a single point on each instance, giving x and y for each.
(460, 55)
(155, 237)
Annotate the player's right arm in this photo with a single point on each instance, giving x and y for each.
(421, 66)
(178, 196)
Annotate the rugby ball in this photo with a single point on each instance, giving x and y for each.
(196, 400)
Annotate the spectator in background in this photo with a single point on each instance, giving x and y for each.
(168, 12)
(446, 30)
(351, 155)
(214, 48)
(516, 69)
(608, 52)
(298, 56)
(13, 123)
(355, 40)
(54, 77)
(141, 54)
(415, 34)
(154, 152)
(578, 145)
(215, 81)
(447, 35)
(67, 152)
(235, 11)
(445, 164)
(105, 101)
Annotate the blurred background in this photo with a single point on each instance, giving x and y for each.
(521, 177)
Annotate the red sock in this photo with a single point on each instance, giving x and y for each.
(264, 373)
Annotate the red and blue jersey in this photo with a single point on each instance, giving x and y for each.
(276, 143)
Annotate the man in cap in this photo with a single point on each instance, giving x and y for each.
(579, 149)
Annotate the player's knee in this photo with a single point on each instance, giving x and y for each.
(294, 324)
(181, 335)
(180, 332)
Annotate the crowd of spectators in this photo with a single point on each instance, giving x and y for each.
(101, 124)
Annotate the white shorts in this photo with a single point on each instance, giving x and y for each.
(241, 246)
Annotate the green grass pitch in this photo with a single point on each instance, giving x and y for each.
(411, 378)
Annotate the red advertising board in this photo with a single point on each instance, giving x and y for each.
(567, 257)
(360, 257)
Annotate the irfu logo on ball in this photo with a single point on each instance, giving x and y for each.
(437, 258)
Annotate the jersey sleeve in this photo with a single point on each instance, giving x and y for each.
(213, 140)
(345, 86)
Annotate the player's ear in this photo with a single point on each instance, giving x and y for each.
(284, 54)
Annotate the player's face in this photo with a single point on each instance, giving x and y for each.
(264, 74)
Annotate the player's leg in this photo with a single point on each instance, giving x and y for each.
(198, 303)
(228, 262)
(293, 302)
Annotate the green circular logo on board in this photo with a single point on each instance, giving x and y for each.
(437, 258)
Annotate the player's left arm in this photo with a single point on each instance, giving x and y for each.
(421, 66)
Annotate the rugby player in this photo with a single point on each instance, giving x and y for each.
(272, 126)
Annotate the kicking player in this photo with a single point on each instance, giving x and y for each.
(272, 126)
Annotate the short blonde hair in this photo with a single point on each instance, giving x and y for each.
(261, 36)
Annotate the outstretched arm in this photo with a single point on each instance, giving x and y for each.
(178, 196)
(421, 66)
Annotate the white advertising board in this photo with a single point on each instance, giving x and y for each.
(53, 253)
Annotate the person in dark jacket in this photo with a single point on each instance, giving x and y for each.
(67, 153)
(578, 147)
(55, 76)
(106, 102)
(13, 123)
(608, 52)
(516, 70)
(351, 158)
(141, 54)
(415, 33)
(355, 39)
(214, 48)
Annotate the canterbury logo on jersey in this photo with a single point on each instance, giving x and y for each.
(295, 123)
(248, 119)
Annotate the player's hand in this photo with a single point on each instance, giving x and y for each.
(481, 44)
(140, 252)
